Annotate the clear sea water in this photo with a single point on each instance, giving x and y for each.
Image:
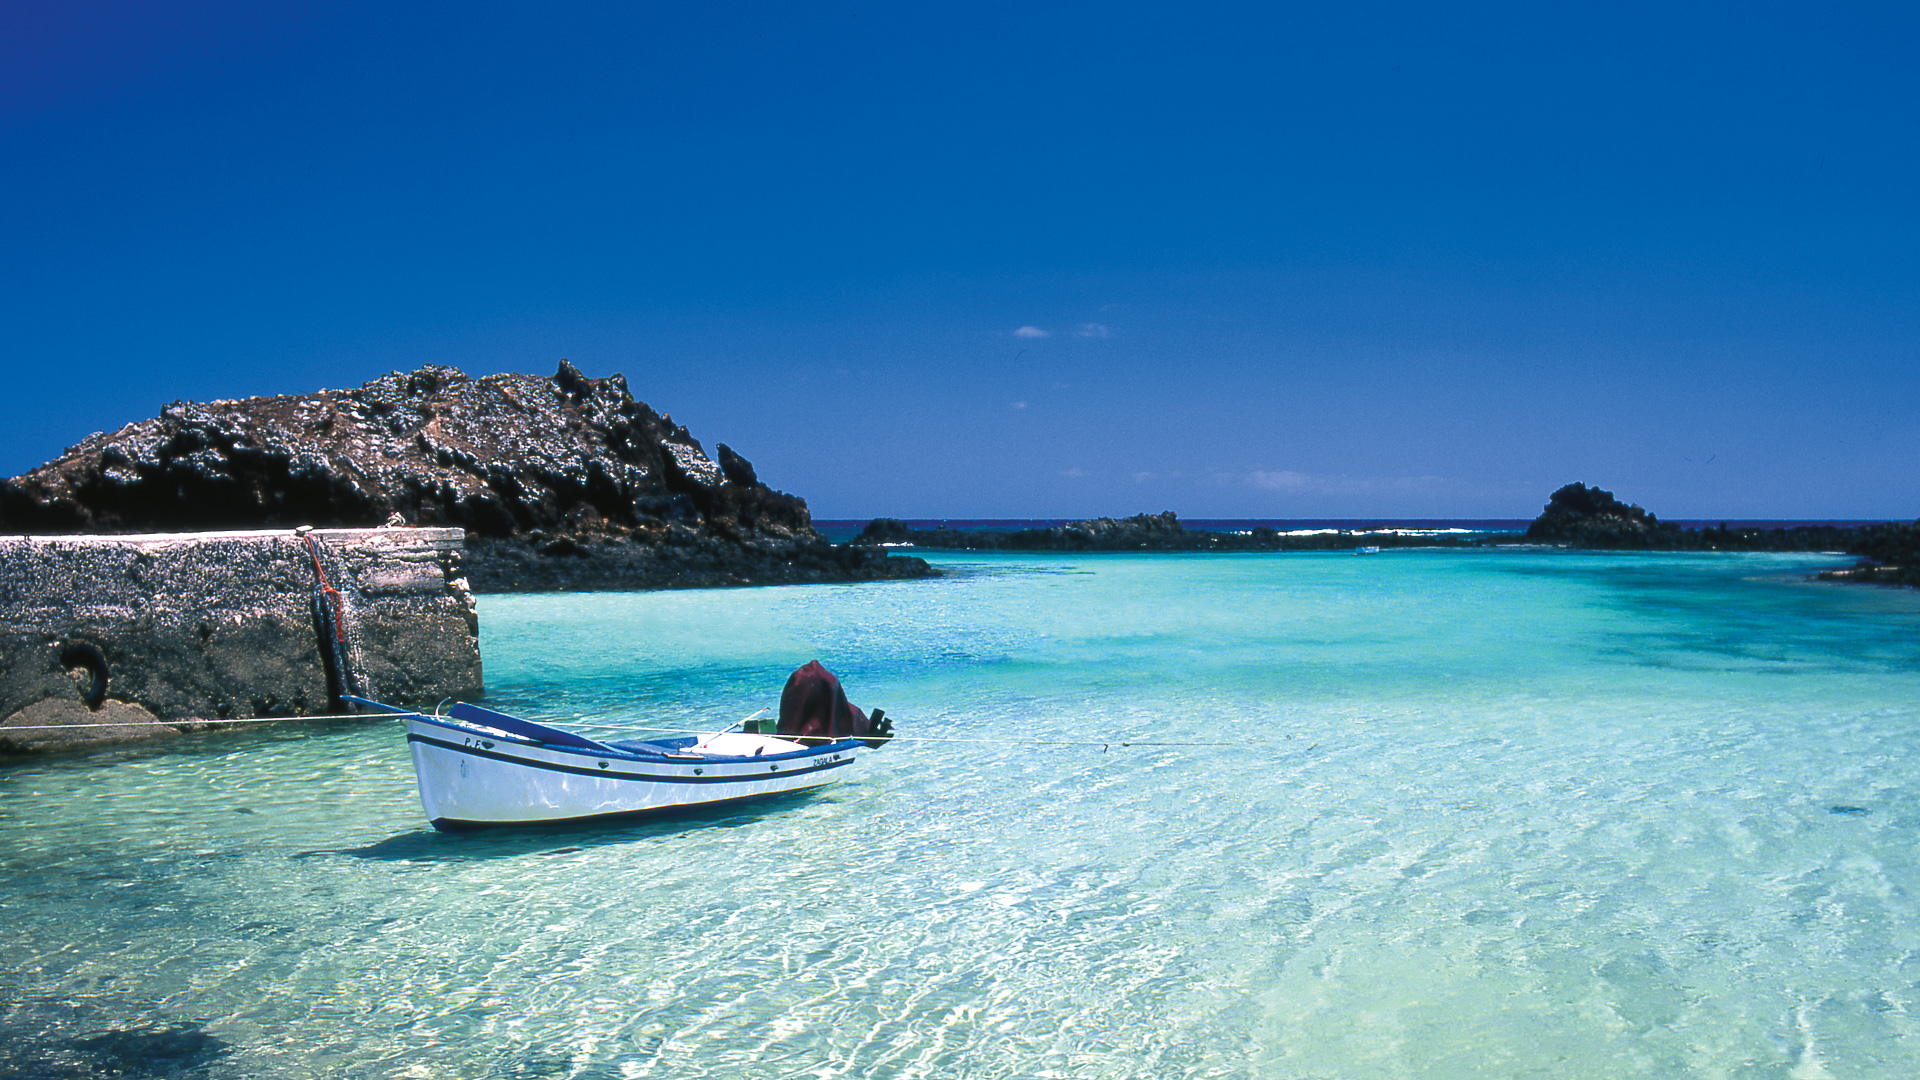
(1417, 814)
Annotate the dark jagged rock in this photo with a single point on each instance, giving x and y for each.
(1580, 516)
(1141, 532)
(1889, 555)
(885, 531)
(561, 483)
(736, 469)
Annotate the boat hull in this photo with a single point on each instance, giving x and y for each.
(471, 777)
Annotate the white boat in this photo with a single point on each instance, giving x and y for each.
(477, 767)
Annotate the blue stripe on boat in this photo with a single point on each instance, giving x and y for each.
(818, 765)
(645, 749)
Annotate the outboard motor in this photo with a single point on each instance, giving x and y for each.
(814, 709)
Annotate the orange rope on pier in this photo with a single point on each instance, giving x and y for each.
(326, 588)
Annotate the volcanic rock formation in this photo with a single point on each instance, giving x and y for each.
(1581, 516)
(560, 483)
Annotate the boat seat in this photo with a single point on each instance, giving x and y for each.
(644, 746)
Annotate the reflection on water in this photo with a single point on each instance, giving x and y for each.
(1478, 814)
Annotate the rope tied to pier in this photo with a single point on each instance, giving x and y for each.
(1103, 744)
(401, 714)
(189, 722)
(326, 589)
(336, 648)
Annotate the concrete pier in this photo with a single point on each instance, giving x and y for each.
(114, 638)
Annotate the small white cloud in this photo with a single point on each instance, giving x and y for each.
(1143, 477)
(1093, 330)
(1018, 405)
(1283, 480)
(1074, 473)
(1288, 480)
(1031, 332)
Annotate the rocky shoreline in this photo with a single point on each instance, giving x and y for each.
(675, 558)
(1587, 517)
(1576, 516)
(560, 483)
(1143, 532)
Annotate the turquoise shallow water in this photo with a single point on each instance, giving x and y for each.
(1426, 814)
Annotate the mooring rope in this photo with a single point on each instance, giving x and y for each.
(327, 590)
(995, 742)
(187, 723)
(330, 611)
(1103, 743)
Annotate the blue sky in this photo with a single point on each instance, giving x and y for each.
(1023, 260)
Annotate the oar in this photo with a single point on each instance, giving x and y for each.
(499, 721)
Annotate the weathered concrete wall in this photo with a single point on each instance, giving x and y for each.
(188, 628)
